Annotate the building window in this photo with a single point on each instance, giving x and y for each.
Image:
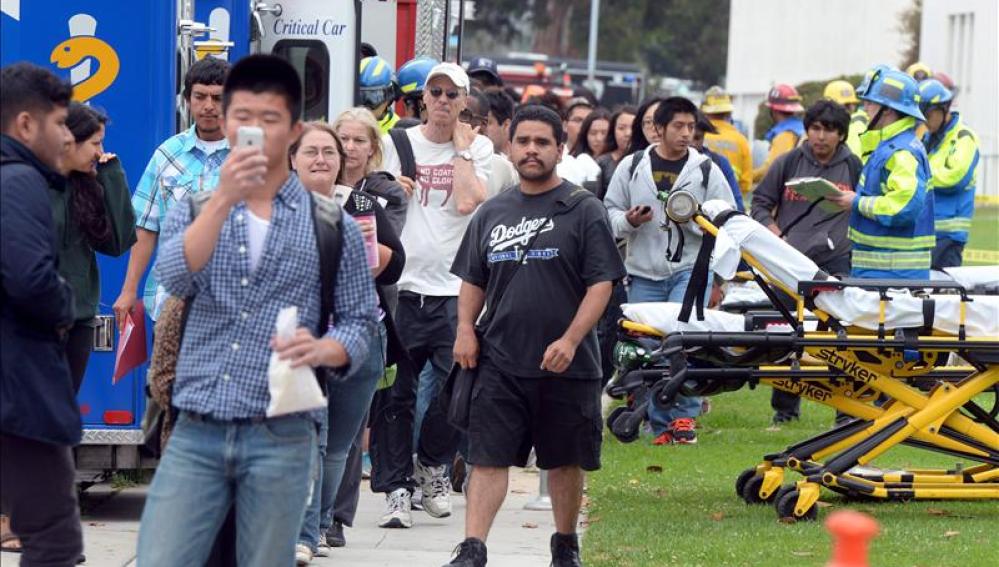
(960, 49)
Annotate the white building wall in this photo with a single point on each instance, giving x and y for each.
(792, 41)
(959, 37)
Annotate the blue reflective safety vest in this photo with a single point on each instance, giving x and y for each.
(794, 124)
(953, 154)
(897, 245)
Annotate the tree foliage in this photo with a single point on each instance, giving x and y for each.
(909, 22)
(678, 38)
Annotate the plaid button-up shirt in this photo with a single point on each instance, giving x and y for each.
(222, 367)
(179, 166)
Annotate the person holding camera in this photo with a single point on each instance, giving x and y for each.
(661, 253)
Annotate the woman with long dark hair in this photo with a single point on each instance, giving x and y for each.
(643, 131)
(618, 140)
(92, 213)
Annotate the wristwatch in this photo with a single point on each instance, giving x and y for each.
(465, 155)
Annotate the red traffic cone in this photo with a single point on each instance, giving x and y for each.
(851, 532)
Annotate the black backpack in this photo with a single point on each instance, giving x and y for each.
(705, 168)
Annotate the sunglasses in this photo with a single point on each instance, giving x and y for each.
(472, 119)
(436, 92)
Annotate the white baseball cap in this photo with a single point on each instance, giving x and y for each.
(452, 71)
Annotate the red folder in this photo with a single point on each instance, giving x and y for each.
(131, 343)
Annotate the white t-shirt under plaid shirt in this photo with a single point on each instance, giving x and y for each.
(182, 165)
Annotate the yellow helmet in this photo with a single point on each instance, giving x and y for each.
(717, 101)
(919, 71)
(841, 91)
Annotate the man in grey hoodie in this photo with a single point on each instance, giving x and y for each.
(661, 254)
(810, 229)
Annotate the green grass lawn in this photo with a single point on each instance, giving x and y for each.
(984, 230)
(672, 506)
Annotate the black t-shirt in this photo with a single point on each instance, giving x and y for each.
(666, 171)
(574, 250)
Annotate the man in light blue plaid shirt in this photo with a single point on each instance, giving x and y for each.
(250, 252)
(184, 164)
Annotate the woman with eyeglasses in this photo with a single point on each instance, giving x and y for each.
(643, 130)
(319, 159)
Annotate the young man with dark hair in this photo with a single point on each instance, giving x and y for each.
(543, 257)
(501, 108)
(251, 251)
(184, 164)
(660, 262)
(39, 416)
(810, 229)
(503, 175)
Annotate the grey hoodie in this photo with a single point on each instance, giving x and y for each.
(648, 256)
(820, 236)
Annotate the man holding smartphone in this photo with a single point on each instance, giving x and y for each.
(251, 251)
(661, 254)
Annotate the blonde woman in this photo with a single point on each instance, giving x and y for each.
(362, 147)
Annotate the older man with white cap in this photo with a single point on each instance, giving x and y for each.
(444, 165)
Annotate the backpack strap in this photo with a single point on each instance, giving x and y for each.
(636, 159)
(705, 173)
(403, 147)
(327, 220)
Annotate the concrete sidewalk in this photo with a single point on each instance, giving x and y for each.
(519, 538)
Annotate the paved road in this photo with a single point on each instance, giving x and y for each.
(519, 537)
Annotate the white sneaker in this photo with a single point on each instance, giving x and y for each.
(436, 487)
(303, 555)
(322, 548)
(398, 515)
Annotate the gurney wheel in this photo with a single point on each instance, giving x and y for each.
(787, 503)
(620, 427)
(751, 491)
(781, 492)
(742, 479)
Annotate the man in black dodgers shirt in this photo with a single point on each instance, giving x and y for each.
(538, 364)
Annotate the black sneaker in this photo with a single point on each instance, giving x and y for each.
(469, 553)
(565, 550)
(334, 535)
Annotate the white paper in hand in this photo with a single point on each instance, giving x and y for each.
(292, 390)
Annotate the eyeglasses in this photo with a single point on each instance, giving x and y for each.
(472, 119)
(436, 92)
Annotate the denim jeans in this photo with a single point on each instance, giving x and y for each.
(263, 468)
(431, 382)
(349, 400)
(672, 289)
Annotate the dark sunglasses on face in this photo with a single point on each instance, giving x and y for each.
(436, 92)
(472, 119)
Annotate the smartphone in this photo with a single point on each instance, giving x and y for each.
(250, 137)
(644, 210)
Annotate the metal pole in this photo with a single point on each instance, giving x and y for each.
(447, 29)
(591, 60)
(543, 502)
(461, 30)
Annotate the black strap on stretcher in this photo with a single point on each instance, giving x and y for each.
(697, 287)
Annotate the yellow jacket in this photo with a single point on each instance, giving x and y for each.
(730, 143)
(858, 125)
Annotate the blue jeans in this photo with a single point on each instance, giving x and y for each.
(349, 400)
(431, 382)
(672, 289)
(262, 468)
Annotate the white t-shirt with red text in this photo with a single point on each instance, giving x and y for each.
(434, 228)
